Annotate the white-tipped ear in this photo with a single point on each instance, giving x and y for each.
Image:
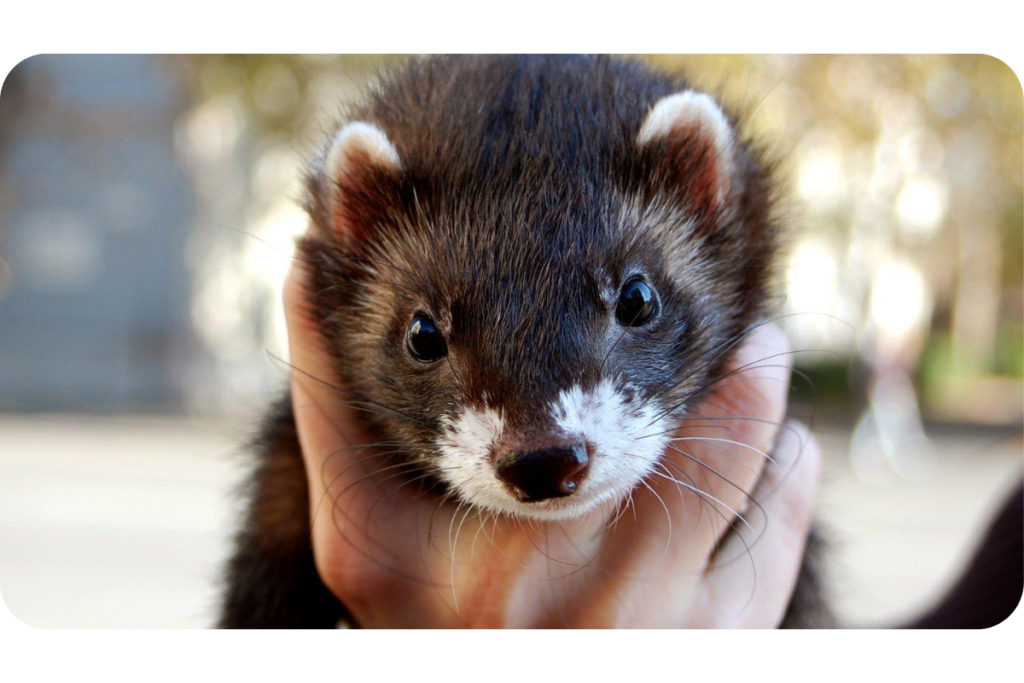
(358, 167)
(697, 119)
(357, 143)
(687, 110)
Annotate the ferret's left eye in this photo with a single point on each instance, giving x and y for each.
(636, 303)
(424, 340)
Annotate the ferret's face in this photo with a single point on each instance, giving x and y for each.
(531, 343)
(538, 378)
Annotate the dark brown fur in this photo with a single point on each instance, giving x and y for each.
(506, 222)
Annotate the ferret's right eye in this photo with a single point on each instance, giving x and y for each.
(636, 303)
(424, 341)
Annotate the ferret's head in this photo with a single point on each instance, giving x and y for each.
(528, 269)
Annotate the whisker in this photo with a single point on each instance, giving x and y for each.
(455, 597)
(668, 517)
(354, 403)
(328, 485)
(701, 493)
(753, 501)
(728, 441)
(759, 363)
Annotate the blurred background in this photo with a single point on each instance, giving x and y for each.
(147, 215)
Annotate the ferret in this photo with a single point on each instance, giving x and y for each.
(532, 264)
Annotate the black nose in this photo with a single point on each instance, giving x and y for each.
(539, 475)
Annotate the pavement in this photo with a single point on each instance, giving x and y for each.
(124, 522)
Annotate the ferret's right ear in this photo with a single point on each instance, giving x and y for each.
(361, 168)
(695, 139)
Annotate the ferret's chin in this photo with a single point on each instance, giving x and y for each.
(565, 509)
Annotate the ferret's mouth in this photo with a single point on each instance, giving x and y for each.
(586, 499)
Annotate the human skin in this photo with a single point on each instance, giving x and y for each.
(398, 558)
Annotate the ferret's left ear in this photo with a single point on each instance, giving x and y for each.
(361, 168)
(697, 139)
(360, 143)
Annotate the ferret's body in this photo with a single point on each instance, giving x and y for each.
(533, 265)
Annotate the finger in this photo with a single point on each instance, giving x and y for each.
(717, 456)
(346, 473)
(323, 422)
(754, 576)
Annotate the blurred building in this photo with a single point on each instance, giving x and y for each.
(96, 209)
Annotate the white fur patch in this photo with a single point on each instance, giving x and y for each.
(626, 438)
(365, 138)
(465, 463)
